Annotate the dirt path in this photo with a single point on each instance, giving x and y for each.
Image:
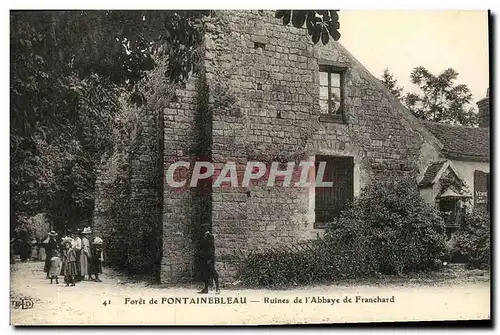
(83, 304)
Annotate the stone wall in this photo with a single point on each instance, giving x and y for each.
(179, 214)
(112, 189)
(129, 188)
(145, 203)
(127, 212)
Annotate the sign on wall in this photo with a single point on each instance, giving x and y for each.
(481, 197)
(481, 189)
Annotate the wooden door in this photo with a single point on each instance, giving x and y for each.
(330, 201)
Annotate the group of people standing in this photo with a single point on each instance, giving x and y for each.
(75, 257)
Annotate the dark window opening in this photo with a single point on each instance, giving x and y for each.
(258, 45)
(330, 201)
(453, 213)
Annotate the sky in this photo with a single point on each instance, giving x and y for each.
(437, 40)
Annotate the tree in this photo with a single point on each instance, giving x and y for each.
(321, 24)
(441, 100)
(391, 83)
(68, 69)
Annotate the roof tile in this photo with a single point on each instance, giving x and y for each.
(460, 141)
(430, 174)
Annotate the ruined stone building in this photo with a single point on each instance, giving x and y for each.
(265, 93)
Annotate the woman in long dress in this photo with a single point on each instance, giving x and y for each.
(95, 265)
(34, 249)
(41, 252)
(85, 254)
(24, 246)
(77, 247)
(50, 246)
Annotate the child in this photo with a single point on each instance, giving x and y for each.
(69, 263)
(95, 266)
(55, 266)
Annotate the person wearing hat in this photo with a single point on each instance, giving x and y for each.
(95, 264)
(208, 261)
(77, 247)
(50, 246)
(85, 253)
(41, 251)
(34, 249)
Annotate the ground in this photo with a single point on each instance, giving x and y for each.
(454, 294)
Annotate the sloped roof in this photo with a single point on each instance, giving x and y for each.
(437, 170)
(431, 173)
(395, 103)
(449, 193)
(459, 142)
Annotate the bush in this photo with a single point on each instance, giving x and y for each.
(393, 228)
(452, 254)
(473, 239)
(304, 264)
(389, 229)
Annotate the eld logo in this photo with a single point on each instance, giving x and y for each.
(22, 303)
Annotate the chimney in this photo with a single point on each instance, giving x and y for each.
(484, 110)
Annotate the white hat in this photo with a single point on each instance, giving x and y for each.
(67, 240)
(87, 230)
(52, 233)
(97, 240)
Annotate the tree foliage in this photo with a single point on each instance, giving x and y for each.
(440, 99)
(473, 240)
(391, 83)
(320, 24)
(68, 69)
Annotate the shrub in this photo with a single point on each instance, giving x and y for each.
(389, 229)
(452, 254)
(297, 265)
(473, 239)
(393, 228)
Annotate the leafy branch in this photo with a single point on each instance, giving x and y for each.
(320, 24)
